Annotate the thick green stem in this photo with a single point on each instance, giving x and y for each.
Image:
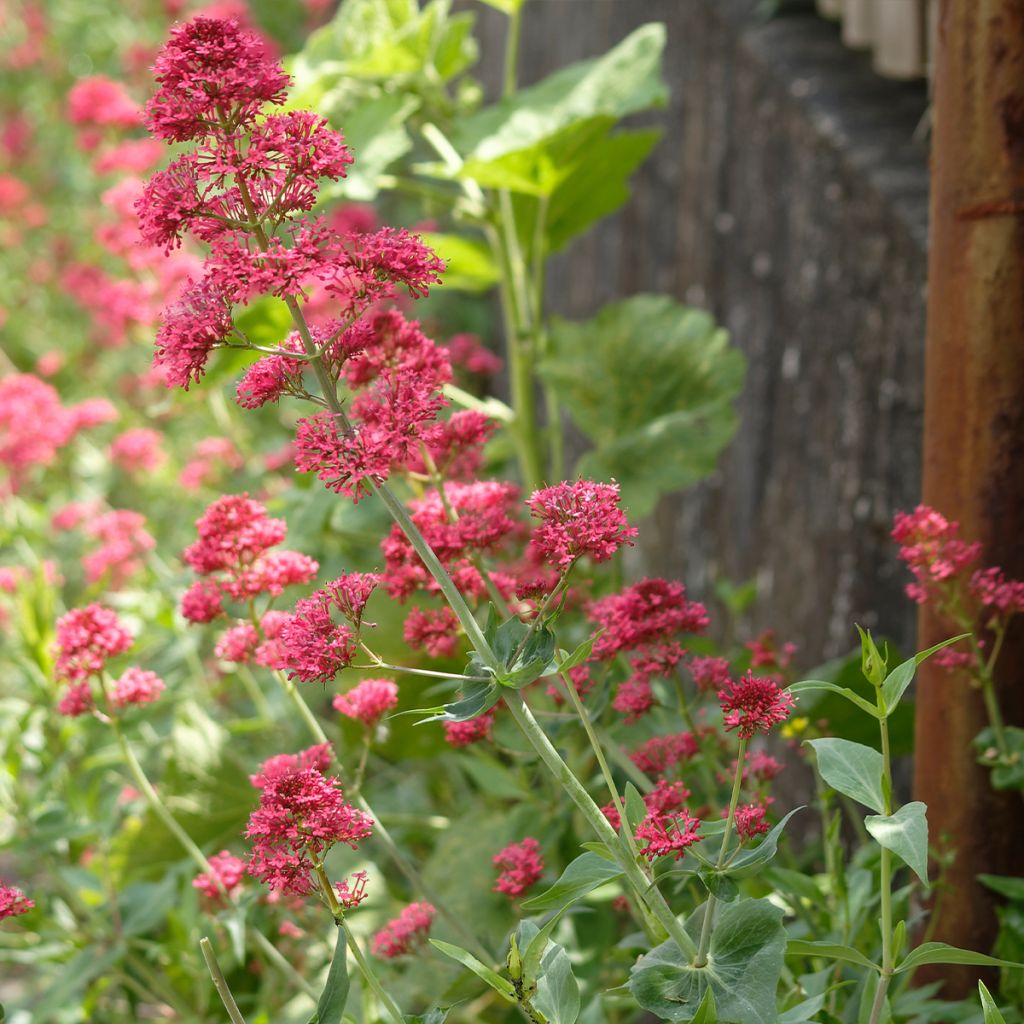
(220, 982)
(650, 894)
(709, 908)
(885, 882)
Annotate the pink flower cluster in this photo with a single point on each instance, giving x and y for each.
(301, 815)
(521, 867)
(667, 834)
(754, 704)
(233, 556)
(87, 638)
(124, 540)
(405, 932)
(224, 877)
(576, 520)
(34, 425)
(13, 902)
(368, 702)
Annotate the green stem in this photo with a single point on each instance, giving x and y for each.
(371, 979)
(220, 982)
(650, 894)
(885, 881)
(709, 908)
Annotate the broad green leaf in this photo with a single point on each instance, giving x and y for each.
(829, 951)
(500, 985)
(534, 949)
(940, 953)
(745, 960)
(375, 133)
(719, 884)
(905, 832)
(988, 1006)
(812, 685)
(802, 1012)
(1006, 885)
(586, 873)
(644, 377)
(897, 681)
(470, 265)
(749, 861)
(851, 769)
(331, 1005)
(558, 993)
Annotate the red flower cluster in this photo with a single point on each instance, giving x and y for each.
(749, 821)
(521, 867)
(123, 541)
(13, 902)
(318, 757)
(931, 547)
(233, 551)
(87, 638)
(224, 877)
(753, 704)
(138, 450)
(314, 647)
(402, 934)
(709, 673)
(434, 630)
(368, 702)
(667, 834)
(136, 686)
(462, 734)
(660, 753)
(301, 815)
(647, 612)
(576, 520)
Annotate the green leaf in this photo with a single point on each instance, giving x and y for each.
(988, 1006)
(621, 82)
(719, 884)
(745, 961)
(500, 985)
(802, 1012)
(940, 953)
(477, 697)
(897, 681)
(634, 806)
(905, 832)
(586, 873)
(1006, 885)
(331, 1005)
(750, 861)
(643, 378)
(873, 664)
(558, 992)
(812, 685)
(851, 769)
(1008, 770)
(706, 1012)
(829, 951)
(579, 655)
(470, 265)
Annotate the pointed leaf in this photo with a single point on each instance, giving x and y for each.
(500, 985)
(579, 655)
(829, 951)
(585, 874)
(897, 681)
(940, 953)
(477, 697)
(905, 833)
(331, 1005)
(636, 809)
(812, 685)
(706, 1012)
(988, 1006)
(851, 769)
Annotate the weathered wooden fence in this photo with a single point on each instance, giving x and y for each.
(789, 197)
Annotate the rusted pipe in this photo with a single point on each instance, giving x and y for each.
(974, 436)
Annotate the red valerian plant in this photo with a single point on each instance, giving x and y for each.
(246, 188)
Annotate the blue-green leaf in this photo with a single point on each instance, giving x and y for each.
(558, 993)
(851, 769)
(988, 1006)
(745, 961)
(905, 833)
(585, 874)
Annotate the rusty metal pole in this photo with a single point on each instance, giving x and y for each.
(974, 433)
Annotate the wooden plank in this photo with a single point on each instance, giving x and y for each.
(899, 38)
